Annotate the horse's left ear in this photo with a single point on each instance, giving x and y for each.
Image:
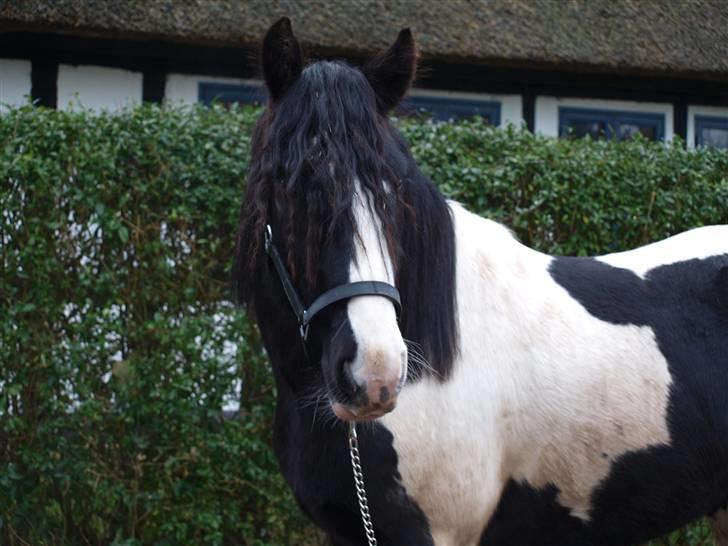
(391, 73)
(282, 58)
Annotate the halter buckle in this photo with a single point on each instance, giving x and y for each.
(268, 237)
(303, 326)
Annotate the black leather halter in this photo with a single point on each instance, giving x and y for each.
(304, 315)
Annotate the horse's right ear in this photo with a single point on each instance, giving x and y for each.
(391, 73)
(282, 58)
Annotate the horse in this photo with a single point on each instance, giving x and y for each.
(502, 396)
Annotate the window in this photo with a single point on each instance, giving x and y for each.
(711, 131)
(447, 108)
(228, 93)
(619, 125)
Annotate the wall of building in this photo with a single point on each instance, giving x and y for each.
(101, 73)
(185, 87)
(15, 82)
(97, 87)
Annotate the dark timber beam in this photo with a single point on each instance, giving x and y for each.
(528, 110)
(153, 84)
(44, 82)
(680, 117)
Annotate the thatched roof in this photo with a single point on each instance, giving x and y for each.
(688, 37)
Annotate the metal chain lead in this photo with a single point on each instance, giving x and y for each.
(361, 493)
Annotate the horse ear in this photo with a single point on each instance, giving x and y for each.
(391, 73)
(282, 58)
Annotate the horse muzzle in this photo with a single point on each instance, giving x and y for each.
(366, 413)
(374, 398)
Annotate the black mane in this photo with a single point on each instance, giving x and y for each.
(308, 152)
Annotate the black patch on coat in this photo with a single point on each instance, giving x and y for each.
(721, 287)
(528, 516)
(314, 458)
(653, 491)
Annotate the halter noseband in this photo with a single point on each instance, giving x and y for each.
(342, 292)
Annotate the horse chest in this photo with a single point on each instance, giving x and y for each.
(448, 458)
(530, 411)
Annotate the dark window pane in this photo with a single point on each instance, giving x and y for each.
(418, 111)
(228, 94)
(456, 111)
(715, 137)
(446, 109)
(579, 129)
(629, 130)
(600, 124)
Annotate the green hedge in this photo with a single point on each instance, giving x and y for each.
(119, 345)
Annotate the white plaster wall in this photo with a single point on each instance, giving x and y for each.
(97, 87)
(511, 105)
(185, 87)
(547, 111)
(14, 82)
(693, 110)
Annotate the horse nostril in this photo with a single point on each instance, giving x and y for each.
(384, 395)
(346, 378)
(381, 394)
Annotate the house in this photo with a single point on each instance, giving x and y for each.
(600, 67)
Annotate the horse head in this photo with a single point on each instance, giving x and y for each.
(327, 179)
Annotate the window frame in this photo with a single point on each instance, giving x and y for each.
(703, 121)
(612, 118)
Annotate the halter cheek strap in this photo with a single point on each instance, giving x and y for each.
(305, 316)
(298, 309)
(342, 292)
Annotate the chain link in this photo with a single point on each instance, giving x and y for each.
(361, 493)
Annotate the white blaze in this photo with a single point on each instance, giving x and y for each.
(381, 352)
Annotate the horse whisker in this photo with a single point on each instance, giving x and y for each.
(416, 357)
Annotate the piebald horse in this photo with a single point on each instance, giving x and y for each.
(504, 396)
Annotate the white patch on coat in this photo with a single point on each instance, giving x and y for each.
(700, 243)
(542, 391)
(381, 352)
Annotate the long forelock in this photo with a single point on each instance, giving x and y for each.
(310, 153)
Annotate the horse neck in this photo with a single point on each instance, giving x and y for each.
(495, 275)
